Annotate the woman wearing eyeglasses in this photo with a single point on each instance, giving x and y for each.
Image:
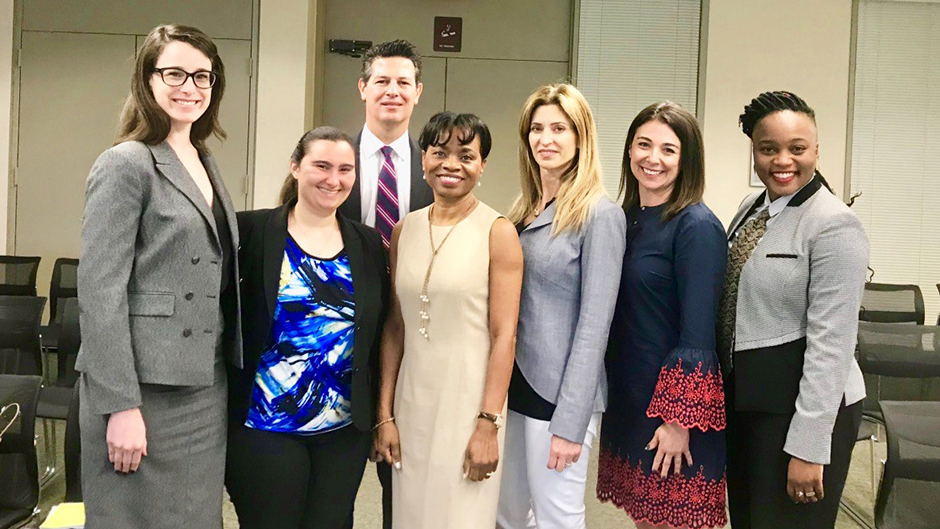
(157, 287)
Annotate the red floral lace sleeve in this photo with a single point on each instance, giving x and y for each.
(688, 393)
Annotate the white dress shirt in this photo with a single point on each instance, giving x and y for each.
(370, 163)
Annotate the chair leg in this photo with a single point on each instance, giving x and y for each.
(874, 470)
(49, 447)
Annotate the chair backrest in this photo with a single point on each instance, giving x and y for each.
(20, 350)
(886, 303)
(18, 275)
(19, 488)
(64, 285)
(70, 340)
(904, 351)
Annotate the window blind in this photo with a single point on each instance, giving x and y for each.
(895, 134)
(631, 54)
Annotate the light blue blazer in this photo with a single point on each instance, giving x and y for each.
(569, 289)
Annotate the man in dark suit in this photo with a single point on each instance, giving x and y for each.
(389, 178)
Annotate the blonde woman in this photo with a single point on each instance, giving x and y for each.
(573, 239)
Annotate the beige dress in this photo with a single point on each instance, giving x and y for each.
(442, 378)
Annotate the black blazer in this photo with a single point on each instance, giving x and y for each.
(421, 194)
(263, 236)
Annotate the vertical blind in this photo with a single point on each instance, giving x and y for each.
(895, 137)
(631, 54)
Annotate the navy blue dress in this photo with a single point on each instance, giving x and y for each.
(662, 366)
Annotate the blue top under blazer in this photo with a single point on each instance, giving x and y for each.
(569, 289)
(149, 276)
(797, 317)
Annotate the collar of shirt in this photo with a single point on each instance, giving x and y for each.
(778, 205)
(371, 145)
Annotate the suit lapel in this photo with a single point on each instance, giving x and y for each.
(544, 219)
(172, 168)
(221, 193)
(421, 194)
(273, 241)
(743, 214)
(352, 207)
(360, 279)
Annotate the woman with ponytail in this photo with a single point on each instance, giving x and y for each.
(315, 289)
(787, 326)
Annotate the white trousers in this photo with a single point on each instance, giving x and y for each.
(532, 495)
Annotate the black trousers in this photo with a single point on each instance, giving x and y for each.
(757, 471)
(288, 481)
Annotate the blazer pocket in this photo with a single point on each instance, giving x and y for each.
(782, 256)
(151, 303)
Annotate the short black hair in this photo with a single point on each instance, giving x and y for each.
(394, 48)
(439, 128)
(768, 103)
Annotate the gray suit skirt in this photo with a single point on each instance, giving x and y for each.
(180, 483)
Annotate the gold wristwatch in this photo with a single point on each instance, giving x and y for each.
(494, 418)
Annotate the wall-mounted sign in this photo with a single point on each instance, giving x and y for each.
(447, 33)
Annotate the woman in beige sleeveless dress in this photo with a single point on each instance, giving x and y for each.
(447, 348)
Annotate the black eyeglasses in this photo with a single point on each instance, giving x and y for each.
(177, 77)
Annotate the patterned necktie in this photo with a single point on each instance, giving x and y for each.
(741, 250)
(386, 201)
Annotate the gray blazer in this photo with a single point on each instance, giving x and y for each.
(569, 289)
(799, 295)
(149, 276)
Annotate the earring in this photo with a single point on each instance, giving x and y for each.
(479, 182)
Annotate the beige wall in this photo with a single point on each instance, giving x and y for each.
(6, 85)
(759, 45)
(745, 55)
(282, 92)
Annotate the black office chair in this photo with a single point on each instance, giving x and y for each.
(19, 486)
(64, 285)
(909, 497)
(902, 352)
(887, 303)
(55, 399)
(18, 275)
(20, 349)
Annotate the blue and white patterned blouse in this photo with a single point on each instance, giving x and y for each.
(303, 382)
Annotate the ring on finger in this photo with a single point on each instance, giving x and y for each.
(568, 464)
(490, 474)
(800, 494)
(811, 494)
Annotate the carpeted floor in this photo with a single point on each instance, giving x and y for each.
(599, 515)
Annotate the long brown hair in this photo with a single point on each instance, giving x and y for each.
(289, 187)
(142, 118)
(690, 183)
(582, 185)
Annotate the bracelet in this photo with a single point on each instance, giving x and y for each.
(494, 418)
(380, 423)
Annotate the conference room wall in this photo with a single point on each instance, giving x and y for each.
(757, 45)
(801, 45)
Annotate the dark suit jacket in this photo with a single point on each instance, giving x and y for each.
(421, 195)
(263, 236)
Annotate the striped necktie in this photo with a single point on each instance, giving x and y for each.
(741, 250)
(386, 201)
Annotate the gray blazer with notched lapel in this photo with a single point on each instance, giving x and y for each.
(149, 276)
(569, 289)
(797, 317)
